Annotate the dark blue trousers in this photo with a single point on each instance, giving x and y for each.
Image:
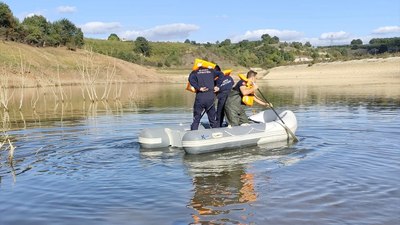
(203, 102)
(222, 96)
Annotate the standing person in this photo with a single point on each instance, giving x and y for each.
(203, 81)
(242, 94)
(225, 84)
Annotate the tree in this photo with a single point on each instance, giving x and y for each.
(174, 58)
(18, 33)
(267, 39)
(296, 44)
(187, 41)
(308, 44)
(142, 46)
(113, 37)
(315, 55)
(226, 42)
(79, 38)
(382, 49)
(275, 40)
(356, 42)
(38, 30)
(8, 22)
(244, 44)
(69, 34)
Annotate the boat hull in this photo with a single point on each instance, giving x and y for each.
(268, 129)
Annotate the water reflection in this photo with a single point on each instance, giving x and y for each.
(41, 104)
(224, 185)
(161, 155)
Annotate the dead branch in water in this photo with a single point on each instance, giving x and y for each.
(59, 84)
(89, 74)
(11, 151)
(5, 96)
(118, 90)
(35, 99)
(23, 72)
(110, 74)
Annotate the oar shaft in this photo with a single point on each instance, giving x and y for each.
(283, 123)
(206, 110)
(262, 95)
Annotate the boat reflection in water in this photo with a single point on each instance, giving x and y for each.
(224, 188)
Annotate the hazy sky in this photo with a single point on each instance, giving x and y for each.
(320, 22)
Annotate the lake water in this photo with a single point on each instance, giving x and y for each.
(80, 163)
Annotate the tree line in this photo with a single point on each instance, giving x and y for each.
(37, 31)
(267, 52)
(377, 45)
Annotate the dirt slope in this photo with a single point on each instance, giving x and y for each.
(39, 66)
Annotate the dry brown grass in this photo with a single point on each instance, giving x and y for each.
(50, 62)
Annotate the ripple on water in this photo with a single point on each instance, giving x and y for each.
(344, 170)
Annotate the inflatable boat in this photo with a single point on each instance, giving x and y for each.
(265, 128)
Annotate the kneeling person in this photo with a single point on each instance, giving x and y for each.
(242, 94)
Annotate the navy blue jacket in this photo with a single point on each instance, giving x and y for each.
(225, 83)
(203, 77)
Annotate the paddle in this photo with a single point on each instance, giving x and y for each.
(295, 139)
(204, 112)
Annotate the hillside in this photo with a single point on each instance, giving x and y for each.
(33, 66)
(163, 55)
(168, 62)
(266, 53)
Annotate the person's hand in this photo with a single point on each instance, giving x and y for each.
(203, 89)
(255, 86)
(216, 89)
(269, 105)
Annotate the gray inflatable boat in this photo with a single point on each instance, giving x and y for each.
(265, 128)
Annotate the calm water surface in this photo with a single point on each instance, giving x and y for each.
(84, 165)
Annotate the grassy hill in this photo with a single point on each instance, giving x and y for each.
(165, 55)
(266, 53)
(106, 60)
(33, 66)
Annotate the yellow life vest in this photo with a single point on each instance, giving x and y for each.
(197, 64)
(203, 63)
(227, 72)
(247, 99)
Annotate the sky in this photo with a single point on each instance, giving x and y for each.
(320, 22)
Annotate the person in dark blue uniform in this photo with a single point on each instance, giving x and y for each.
(224, 84)
(203, 80)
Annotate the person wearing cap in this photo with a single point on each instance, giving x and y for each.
(203, 81)
(225, 84)
(242, 94)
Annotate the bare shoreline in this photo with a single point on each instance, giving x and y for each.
(356, 72)
(366, 76)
